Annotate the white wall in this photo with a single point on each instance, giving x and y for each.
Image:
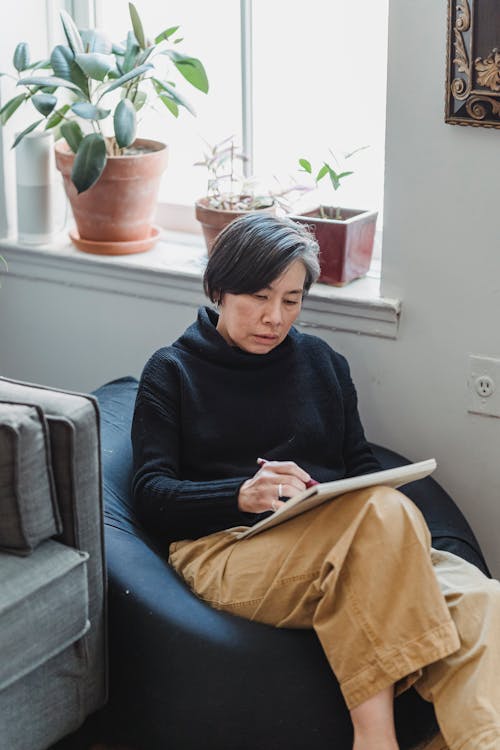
(441, 257)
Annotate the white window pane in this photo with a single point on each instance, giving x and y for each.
(213, 35)
(27, 24)
(319, 83)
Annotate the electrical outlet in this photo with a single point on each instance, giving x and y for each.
(484, 385)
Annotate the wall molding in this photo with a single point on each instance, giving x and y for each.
(160, 276)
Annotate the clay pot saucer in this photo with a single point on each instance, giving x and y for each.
(115, 248)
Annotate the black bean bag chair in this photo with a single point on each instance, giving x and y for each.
(186, 677)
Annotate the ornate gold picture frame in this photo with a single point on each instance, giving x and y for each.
(473, 63)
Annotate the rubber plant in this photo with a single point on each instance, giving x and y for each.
(91, 90)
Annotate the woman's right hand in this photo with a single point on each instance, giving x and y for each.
(273, 480)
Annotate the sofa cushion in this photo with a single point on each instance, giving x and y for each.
(73, 423)
(28, 508)
(43, 606)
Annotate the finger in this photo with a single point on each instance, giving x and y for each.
(293, 485)
(286, 467)
(276, 505)
(289, 490)
(276, 482)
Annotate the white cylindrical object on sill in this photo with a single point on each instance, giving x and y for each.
(35, 183)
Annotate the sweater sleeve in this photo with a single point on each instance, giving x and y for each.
(167, 503)
(358, 456)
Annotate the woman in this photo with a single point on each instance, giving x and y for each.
(242, 412)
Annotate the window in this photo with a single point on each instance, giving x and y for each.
(319, 76)
(211, 32)
(319, 83)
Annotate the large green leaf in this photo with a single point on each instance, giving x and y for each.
(47, 81)
(89, 111)
(96, 41)
(138, 99)
(89, 163)
(57, 117)
(27, 130)
(71, 32)
(10, 107)
(44, 103)
(125, 123)
(137, 26)
(118, 49)
(336, 178)
(169, 104)
(173, 95)
(322, 172)
(21, 58)
(191, 68)
(128, 77)
(60, 59)
(143, 56)
(64, 66)
(166, 34)
(306, 165)
(72, 132)
(95, 65)
(131, 52)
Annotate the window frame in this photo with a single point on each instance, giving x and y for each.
(179, 216)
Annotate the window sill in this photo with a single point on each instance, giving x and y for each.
(172, 271)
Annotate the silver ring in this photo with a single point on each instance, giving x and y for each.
(280, 490)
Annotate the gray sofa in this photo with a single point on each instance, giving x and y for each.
(52, 573)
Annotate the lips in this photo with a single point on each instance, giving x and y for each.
(266, 337)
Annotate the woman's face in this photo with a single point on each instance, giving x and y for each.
(259, 322)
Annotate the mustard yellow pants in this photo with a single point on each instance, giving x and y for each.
(386, 607)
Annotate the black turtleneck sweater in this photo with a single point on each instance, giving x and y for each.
(205, 411)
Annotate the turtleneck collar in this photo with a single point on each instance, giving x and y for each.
(204, 340)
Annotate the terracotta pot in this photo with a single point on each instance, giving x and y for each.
(213, 220)
(121, 205)
(346, 246)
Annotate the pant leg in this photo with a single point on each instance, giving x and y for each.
(436, 743)
(357, 570)
(465, 686)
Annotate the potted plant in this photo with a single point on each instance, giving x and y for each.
(230, 194)
(90, 92)
(345, 235)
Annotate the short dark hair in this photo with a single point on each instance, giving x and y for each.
(252, 251)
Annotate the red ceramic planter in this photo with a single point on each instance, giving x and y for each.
(346, 245)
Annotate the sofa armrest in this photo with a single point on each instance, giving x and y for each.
(73, 425)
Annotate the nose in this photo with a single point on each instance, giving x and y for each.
(273, 313)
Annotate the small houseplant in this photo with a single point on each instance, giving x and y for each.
(345, 235)
(91, 92)
(230, 194)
